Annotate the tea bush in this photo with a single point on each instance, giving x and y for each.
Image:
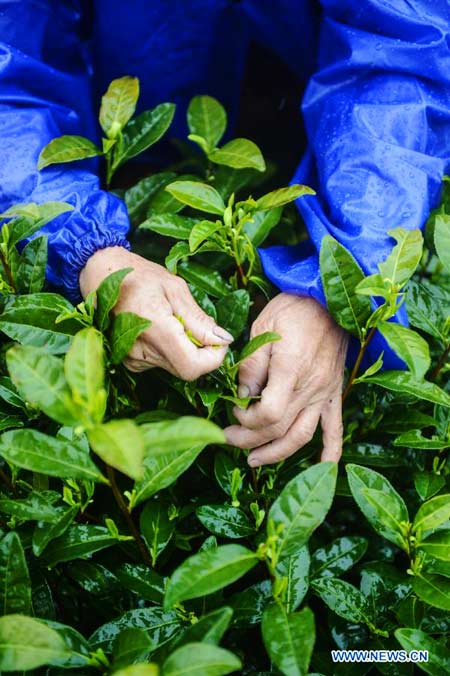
(133, 540)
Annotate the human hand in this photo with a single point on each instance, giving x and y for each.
(152, 292)
(299, 379)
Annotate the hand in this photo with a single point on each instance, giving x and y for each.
(152, 292)
(299, 379)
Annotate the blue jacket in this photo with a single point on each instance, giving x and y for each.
(376, 110)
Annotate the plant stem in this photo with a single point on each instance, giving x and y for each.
(358, 361)
(124, 509)
(443, 358)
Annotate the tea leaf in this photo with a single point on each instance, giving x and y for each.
(225, 520)
(138, 669)
(437, 545)
(167, 436)
(289, 638)
(240, 153)
(35, 507)
(248, 605)
(139, 579)
(201, 231)
(343, 598)
(45, 532)
(207, 118)
(15, 583)
(77, 542)
(120, 444)
(85, 372)
(406, 383)
(204, 278)
(404, 258)
(138, 197)
(428, 484)
(232, 311)
(409, 346)
(179, 251)
(108, 295)
(156, 527)
(170, 225)
(442, 239)
(143, 131)
(338, 556)
(432, 513)
(26, 643)
(30, 276)
(296, 571)
(209, 629)
(433, 589)
(426, 310)
(415, 439)
(118, 105)
(201, 659)
(198, 196)
(257, 342)
(261, 224)
(126, 328)
(132, 645)
(278, 198)
(438, 662)
(67, 149)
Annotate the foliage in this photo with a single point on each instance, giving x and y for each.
(133, 540)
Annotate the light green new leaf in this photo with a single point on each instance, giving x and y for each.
(433, 589)
(200, 659)
(126, 327)
(415, 439)
(131, 647)
(343, 598)
(240, 153)
(289, 638)
(256, 343)
(198, 196)
(138, 670)
(143, 131)
(295, 569)
(156, 527)
(207, 571)
(261, 224)
(107, 296)
(428, 484)
(282, 196)
(340, 275)
(210, 628)
(85, 372)
(437, 545)
(380, 503)
(432, 513)
(79, 541)
(409, 346)
(30, 276)
(15, 583)
(442, 239)
(374, 285)
(170, 225)
(169, 436)
(120, 444)
(118, 105)
(438, 655)
(38, 452)
(404, 258)
(67, 149)
(26, 643)
(302, 506)
(207, 118)
(405, 383)
(201, 231)
(179, 251)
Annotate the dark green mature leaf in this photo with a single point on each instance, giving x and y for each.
(248, 605)
(84, 368)
(170, 225)
(406, 383)
(225, 520)
(118, 105)
(262, 222)
(67, 149)
(207, 118)
(341, 275)
(38, 452)
(338, 556)
(404, 258)
(143, 131)
(26, 643)
(343, 598)
(207, 571)
(46, 532)
(282, 196)
(37, 506)
(232, 311)
(426, 309)
(75, 643)
(210, 281)
(138, 197)
(108, 295)
(77, 542)
(209, 629)
(132, 645)
(199, 196)
(409, 346)
(9, 393)
(428, 484)
(432, 513)
(296, 571)
(415, 439)
(144, 582)
(120, 444)
(200, 659)
(156, 527)
(126, 327)
(31, 320)
(303, 505)
(375, 455)
(437, 545)
(380, 503)
(438, 655)
(289, 638)
(30, 276)
(442, 239)
(15, 583)
(433, 589)
(240, 153)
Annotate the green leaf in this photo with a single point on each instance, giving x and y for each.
(210, 281)
(132, 645)
(209, 629)
(256, 343)
(233, 310)
(198, 196)
(15, 583)
(201, 231)
(409, 346)
(38, 452)
(433, 589)
(405, 383)
(289, 639)
(302, 506)
(40, 380)
(200, 659)
(118, 105)
(32, 320)
(240, 153)
(75, 643)
(78, 542)
(37, 506)
(30, 276)
(404, 258)
(341, 275)
(415, 439)
(179, 251)
(438, 655)
(120, 444)
(170, 225)
(138, 670)
(9, 393)
(261, 224)
(380, 503)
(437, 545)
(428, 484)
(374, 285)
(143, 131)
(156, 527)
(343, 598)
(442, 239)
(169, 436)
(139, 579)
(338, 556)
(296, 571)
(282, 196)
(67, 149)
(126, 327)
(207, 571)
(108, 295)
(426, 308)
(225, 520)
(26, 643)
(207, 118)
(84, 368)
(431, 514)
(45, 532)
(248, 605)
(138, 197)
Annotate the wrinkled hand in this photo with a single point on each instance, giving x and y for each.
(152, 292)
(299, 379)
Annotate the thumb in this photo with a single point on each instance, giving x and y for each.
(253, 372)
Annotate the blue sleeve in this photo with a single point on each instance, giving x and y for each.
(377, 116)
(45, 92)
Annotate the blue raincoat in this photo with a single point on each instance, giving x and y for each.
(376, 110)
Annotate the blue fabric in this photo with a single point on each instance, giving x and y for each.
(376, 110)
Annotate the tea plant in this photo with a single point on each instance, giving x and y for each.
(133, 540)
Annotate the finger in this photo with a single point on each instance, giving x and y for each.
(203, 327)
(243, 437)
(253, 372)
(299, 434)
(332, 429)
(276, 396)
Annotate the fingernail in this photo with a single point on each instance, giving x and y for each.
(224, 335)
(254, 461)
(243, 391)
